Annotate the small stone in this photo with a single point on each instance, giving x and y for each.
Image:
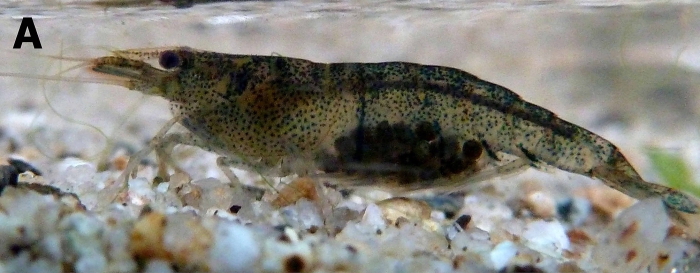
(546, 237)
(91, 263)
(288, 257)
(472, 240)
(178, 179)
(447, 203)
(23, 166)
(220, 196)
(339, 218)
(569, 267)
(207, 183)
(411, 209)
(303, 215)
(191, 195)
(577, 236)
(373, 217)
(574, 210)
(158, 266)
(486, 211)
(303, 187)
(541, 204)
(502, 253)
(634, 239)
(522, 269)
(335, 255)
(146, 240)
(162, 187)
(141, 191)
(608, 201)
(187, 240)
(8, 176)
(120, 162)
(463, 221)
(235, 249)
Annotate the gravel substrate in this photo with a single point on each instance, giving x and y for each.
(210, 226)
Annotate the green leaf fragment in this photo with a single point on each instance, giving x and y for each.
(673, 170)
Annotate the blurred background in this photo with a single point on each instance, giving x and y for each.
(627, 70)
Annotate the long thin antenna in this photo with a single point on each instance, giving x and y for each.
(114, 81)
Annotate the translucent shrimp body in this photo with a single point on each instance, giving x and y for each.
(397, 125)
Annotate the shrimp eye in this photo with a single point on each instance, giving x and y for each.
(169, 60)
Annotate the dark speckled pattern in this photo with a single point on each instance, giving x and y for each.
(278, 108)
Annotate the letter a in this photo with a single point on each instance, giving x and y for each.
(27, 24)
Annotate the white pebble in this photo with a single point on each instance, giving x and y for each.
(235, 249)
(75, 175)
(486, 211)
(373, 217)
(502, 253)
(162, 187)
(546, 237)
(158, 266)
(51, 246)
(91, 263)
(140, 191)
(473, 240)
(207, 183)
(43, 266)
(633, 240)
(281, 256)
(333, 255)
(302, 215)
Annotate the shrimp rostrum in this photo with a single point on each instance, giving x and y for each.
(393, 124)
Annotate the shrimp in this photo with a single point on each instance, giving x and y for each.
(393, 124)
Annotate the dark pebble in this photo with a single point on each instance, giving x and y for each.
(23, 166)
(463, 221)
(8, 176)
(234, 209)
(521, 269)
